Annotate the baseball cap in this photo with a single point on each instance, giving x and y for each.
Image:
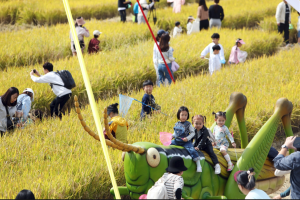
(96, 32)
(160, 32)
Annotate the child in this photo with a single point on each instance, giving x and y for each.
(233, 59)
(172, 179)
(177, 30)
(118, 126)
(184, 132)
(202, 142)
(214, 60)
(189, 26)
(148, 99)
(220, 132)
(25, 194)
(136, 11)
(215, 41)
(94, 43)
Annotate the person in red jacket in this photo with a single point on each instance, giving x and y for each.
(94, 45)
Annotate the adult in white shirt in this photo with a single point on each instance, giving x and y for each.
(145, 7)
(283, 19)
(246, 184)
(81, 33)
(156, 53)
(209, 49)
(177, 29)
(54, 80)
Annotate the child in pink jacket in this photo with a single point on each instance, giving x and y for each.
(236, 55)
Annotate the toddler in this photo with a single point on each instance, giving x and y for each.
(214, 60)
(177, 30)
(220, 132)
(94, 43)
(202, 142)
(184, 132)
(235, 54)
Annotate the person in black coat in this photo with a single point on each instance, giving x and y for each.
(202, 140)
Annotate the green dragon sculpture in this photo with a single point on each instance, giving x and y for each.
(145, 163)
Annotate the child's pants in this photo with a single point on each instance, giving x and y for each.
(188, 146)
(164, 74)
(209, 150)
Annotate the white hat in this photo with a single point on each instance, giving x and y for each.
(31, 91)
(190, 17)
(96, 32)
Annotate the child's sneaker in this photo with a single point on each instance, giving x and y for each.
(199, 169)
(230, 167)
(217, 169)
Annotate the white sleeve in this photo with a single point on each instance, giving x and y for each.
(277, 15)
(154, 54)
(281, 173)
(84, 32)
(179, 183)
(205, 51)
(222, 53)
(41, 79)
(290, 13)
(170, 54)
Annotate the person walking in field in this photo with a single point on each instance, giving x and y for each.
(177, 5)
(146, 7)
(202, 14)
(283, 19)
(122, 5)
(156, 53)
(94, 44)
(55, 81)
(216, 15)
(81, 33)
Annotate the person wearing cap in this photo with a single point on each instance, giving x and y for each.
(177, 29)
(283, 19)
(202, 15)
(189, 26)
(173, 178)
(235, 52)
(94, 43)
(145, 7)
(24, 102)
(246, 184)
(148, 99)
(118, 126)
(156, 53)
(291, 162)
(81, 33)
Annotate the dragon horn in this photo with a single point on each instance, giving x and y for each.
(90, 132)
(126, 147)
(257, 150)
(237, 105)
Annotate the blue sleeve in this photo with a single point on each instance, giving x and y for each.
(285, 163)
(286, 193)
(26, 106)
(146, 101)
(136, 8)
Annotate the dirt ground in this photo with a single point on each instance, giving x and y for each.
(285, 186)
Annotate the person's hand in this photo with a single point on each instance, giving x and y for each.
(202, 57)
(37, 73)
(196, 148)
(277, 197)
(31, 73)
(290, 22)
(278, 24)
(185, 139)
(289, 142)
(213, 144)
(234, 145)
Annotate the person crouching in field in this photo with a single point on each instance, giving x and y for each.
(118, 126)
(148, 99)
(236, 55)
(94, 44)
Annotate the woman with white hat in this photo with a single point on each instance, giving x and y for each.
(81, 33)
(189, 26)
(24, 103)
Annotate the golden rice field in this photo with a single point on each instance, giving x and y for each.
(270, 24)
(52, 12)
(237, 14)
(38, 45)
(127, 67)
(57, 159)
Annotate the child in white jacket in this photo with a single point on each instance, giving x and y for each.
(189, 26)
(177, 30)
(214, 61)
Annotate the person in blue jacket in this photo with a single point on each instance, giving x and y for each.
(291, 162)
(136, 11)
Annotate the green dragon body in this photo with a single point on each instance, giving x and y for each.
(145, 163)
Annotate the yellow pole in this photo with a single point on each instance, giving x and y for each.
(91, 98)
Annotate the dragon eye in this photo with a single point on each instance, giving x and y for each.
(153, 157)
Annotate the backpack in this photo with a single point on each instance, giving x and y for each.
(158, 190)
(67, 78)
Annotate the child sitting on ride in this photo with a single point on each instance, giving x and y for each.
(118, 126)
(220, 132)
(202, 142)
(183, 134)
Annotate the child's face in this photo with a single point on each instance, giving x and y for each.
(216, 40)
(216, 52)
(148, 89)
(220, 121)
(198, 124)
(183, 116)
(239, 44)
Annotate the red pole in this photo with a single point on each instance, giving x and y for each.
(155, 40)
